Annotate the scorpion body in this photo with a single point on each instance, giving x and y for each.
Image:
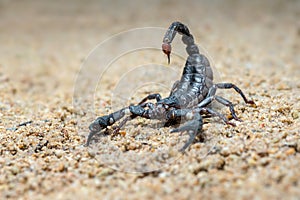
(188, 99)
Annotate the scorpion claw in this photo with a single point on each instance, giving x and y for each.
(192, 128)
(96, 127)
(92, 133)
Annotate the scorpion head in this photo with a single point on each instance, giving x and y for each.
(166, 48)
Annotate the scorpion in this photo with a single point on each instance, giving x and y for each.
(188, 100)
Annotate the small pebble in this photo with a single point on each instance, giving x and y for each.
(290, 151)
(225, 151)
(61, 167)
(105, 172)
(59, 153)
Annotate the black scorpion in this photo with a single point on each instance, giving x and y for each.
(188, 99)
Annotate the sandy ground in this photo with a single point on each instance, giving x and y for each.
(43, 46)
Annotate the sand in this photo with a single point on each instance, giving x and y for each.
(53, 86)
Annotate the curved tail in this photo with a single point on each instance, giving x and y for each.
(187, 39)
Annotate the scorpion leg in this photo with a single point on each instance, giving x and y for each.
(174, 87)
(228, 104)
(216, 114)
(194, 126)
(238, 90)
(221, 100)
(117, 128)
(212, 96)
(150, 97)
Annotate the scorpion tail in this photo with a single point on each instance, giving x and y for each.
(166, 47)
(170, 34)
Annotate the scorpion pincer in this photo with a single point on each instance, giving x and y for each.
(188, 100)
